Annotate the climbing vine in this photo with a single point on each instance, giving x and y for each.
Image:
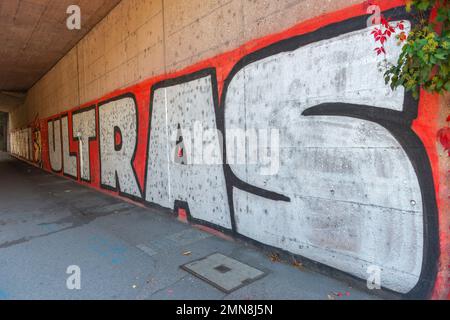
(424, 61)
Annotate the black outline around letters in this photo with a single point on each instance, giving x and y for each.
(117, 188)
(416, 153)
(398, 123)
(90, 139)
(118, 147)
(72, 154)
(203, 73)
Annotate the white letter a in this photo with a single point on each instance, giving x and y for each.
(74, 20)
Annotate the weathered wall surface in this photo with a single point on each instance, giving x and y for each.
(21, 143)
(144, 38)
(333, 166)
(26, 144)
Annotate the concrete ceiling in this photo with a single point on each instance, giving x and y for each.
(34, 36)
(10, 100)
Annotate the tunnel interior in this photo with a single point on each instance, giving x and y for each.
(264, 127)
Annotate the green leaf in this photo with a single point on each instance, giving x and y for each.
(424, 60)
(447, 86)
(422, 5)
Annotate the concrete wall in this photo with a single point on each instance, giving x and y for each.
(152, 105)
(22, 143)
(143, 38)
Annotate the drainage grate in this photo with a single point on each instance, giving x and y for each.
(223, 272)
(222, 269)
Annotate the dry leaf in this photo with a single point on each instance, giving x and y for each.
(275, 257)
(297, 264)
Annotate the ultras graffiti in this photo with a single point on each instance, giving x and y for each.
(22, 143)
(353, 186)
(26, 143)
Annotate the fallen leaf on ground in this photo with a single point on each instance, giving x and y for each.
(297, 264)
(275, 257)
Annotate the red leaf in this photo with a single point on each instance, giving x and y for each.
(402, 36)
(376, 32)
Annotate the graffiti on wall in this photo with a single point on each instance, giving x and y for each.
(37, 149)
(22, 143)
(26, 143)
(337, 176)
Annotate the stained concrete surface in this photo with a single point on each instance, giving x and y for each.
(48, 223)
(34, 36)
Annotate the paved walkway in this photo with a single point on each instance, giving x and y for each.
(48, 223)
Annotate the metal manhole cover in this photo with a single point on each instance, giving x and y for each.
(223, 272)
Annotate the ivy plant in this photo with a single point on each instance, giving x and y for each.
(424, 61)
